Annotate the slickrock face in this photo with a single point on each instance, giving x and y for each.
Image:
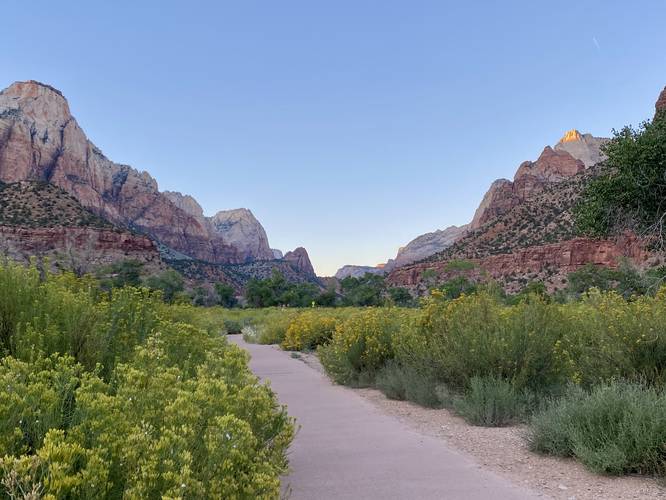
(78, 248)
(243, 231)
(499, 199)
(426, 245)
(570, 157)
(357, 271)
(660, 105)
(583, 147)
(277, 254)
(41, 140)
(564, 257)
(186, 203)
(551, 166)
(300, 261)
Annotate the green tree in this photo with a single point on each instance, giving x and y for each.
(120, 274)
(455, 287)
(400, 296)
(367, 290)
(630, 191)
(170, 282)
(226, 295)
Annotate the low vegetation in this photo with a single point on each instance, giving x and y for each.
(587, 374)
(119, 395)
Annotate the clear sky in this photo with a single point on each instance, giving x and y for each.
(347, 127)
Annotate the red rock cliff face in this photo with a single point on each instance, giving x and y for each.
(41, 140)
(299, 260)
(83, 248)
(565, 257)
(531, 177)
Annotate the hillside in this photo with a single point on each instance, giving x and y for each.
(38, 219)
(39, 204)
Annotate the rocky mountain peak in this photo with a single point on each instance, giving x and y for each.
(41, 141)
(241, 228)
(583, 147)
(571, 135)
(552, 165)
(185, 202)
(300, 261)
(40, 99)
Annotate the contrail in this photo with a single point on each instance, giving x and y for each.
(596, 43)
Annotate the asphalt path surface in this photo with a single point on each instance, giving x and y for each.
(347, 448)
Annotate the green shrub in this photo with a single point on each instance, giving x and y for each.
(492, 402)
(477, 335)
(405, 383)
(272, 328)
(232, 326)
(616, 428)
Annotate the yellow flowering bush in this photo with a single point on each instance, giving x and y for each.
(361, 344)
(308, 330)
(120, 396)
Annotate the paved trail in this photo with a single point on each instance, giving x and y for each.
(347, 448)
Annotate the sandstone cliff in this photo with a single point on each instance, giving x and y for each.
(357, 271)
(552, 166)
(40, 220)
(549, 263)
(299, 260)
(426, 245)
(40, 140)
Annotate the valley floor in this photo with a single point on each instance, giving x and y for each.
(347, 447)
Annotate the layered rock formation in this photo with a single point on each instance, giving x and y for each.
(243, 231)
(82, 249)
(357, 271)
(40, 140)
(549, 263)
(525, 227)
(299, 260)
(40, 220)
(552, 166)
(426, 245)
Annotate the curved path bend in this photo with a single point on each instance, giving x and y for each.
(347, 448)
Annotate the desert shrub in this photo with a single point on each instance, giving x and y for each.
(233, 326)
(361, 345)
(112, 396)
(406, 383)
(609, 337)
(477, 335)
(272, 327)
(308, 330)
(616, 428)
(493, 402)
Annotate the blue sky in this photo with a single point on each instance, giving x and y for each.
(347, 127)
